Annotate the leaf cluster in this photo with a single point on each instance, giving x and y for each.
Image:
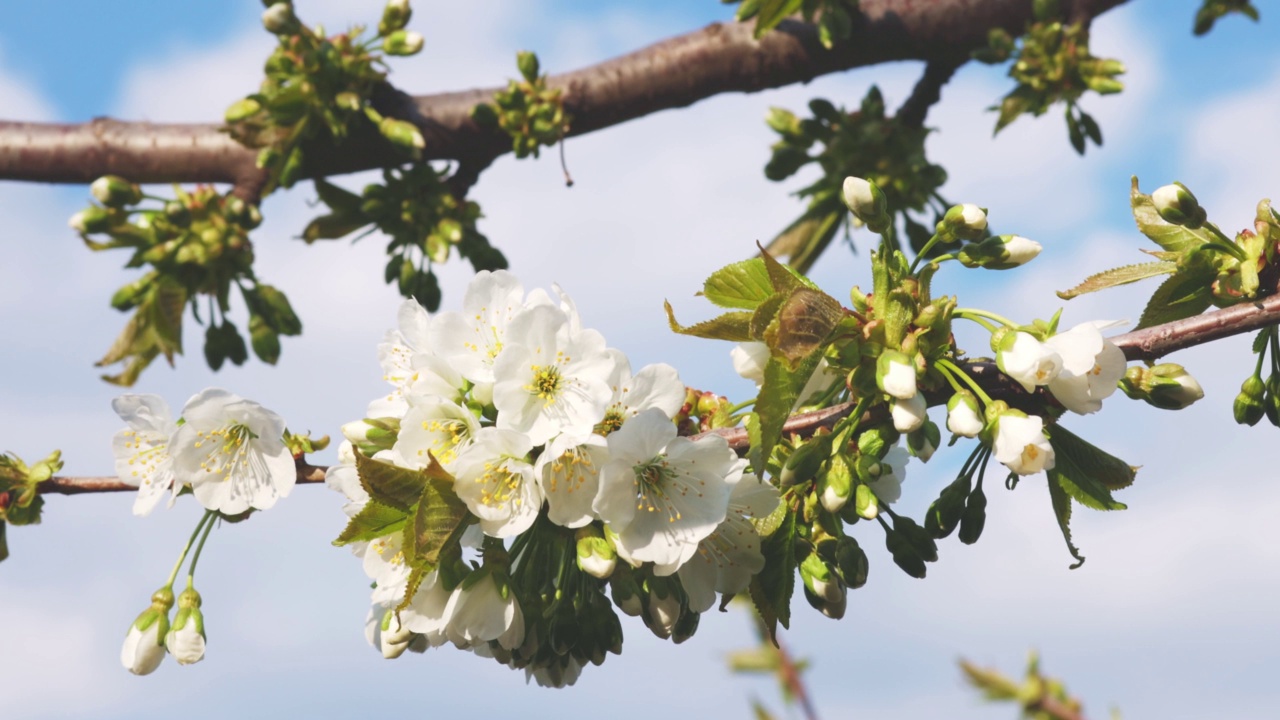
(834, 18)
(425, 221)
(20, 502)
(864, 143)
(1051, 64)
(195, 245)
(1214, 10)
(528, 110)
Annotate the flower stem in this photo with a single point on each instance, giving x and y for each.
(924, 251)
(973, 314)
(946, 366)
(191, 569)
(182, 557)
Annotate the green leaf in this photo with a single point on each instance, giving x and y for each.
(772, 587)
(804, 240)
(1084, 459)
(1062, 511)
(374, 520)
(773, 12)
(4, 542)
(1014, 104)
(735, 326)
(390, 485)
(440, 518)
(805, 321)
(784, 279)
(1173, 238)
(781, 389)
(1119, 276)
(741, 285)
(333, 226)
(341, 200)
(1185, 294)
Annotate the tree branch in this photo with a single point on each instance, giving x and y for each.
(928, 90)
(674, 73)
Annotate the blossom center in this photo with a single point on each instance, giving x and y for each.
(233, 451)
(612, 421)
(653, 480)
(501, 486)
(547, 382)
(574, 467)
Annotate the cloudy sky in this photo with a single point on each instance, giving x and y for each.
(1173, 615)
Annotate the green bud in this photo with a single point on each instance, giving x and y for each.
(403, 43)
(177, 213)
(527, 62)
(115, 191)
(1248, 408)
(242, 109)
(944, 514)
(394, 16)
(279, 19)
(1178, 206)
(837, 485)
(1271, 403)
(1104, 85)
(404, 134)
(852, 562)
(904, 554)
(974, 517)
(865, 503)
(596, 554)
(924, 441)
(128, 297)
(92, 219)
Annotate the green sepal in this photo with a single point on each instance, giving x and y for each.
(1062, 511)
(1119, 276)
(393, 486)
(772, 587)
(735, 326)
(1174, 238)
(374, 520)
(743, 285)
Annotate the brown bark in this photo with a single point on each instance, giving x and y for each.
(676, 72)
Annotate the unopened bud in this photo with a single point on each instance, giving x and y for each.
(963, 418)
(279, 19)
(186, 639)
(596, 555)
(404, 134)
(242, 109)
(896, 375)
(1167, 386)
(394, 16)
(867, 202)
(966, 222)
(92, 219)
(837, 485)
(371, 435)
(1248, 408)
(115, 191)
(1178, 206)
(402, 43)
(924, 441)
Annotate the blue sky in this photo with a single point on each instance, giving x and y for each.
(1171, 616)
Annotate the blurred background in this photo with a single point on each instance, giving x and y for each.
(1173, 615)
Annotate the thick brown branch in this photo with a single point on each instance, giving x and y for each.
(673, 73)
(77, 485)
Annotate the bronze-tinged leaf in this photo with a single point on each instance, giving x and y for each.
(390, 485)
(735, 326)
(765, 317)
(805, 321)
(124, 344)
(440, 518)
(1119, 276)
(784, 279)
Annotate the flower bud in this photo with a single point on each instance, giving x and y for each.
(144, 644)
(596, 555)
(974, 517)
(393, 639)
(404, 134)
(966, 222)
(963, 418)
(1271, 402)
(115, 191)
(924, 441)
(823, 587)
(402, 43)
(1167, 386)
(837, 485)
(1178, 206)
(663, 610)
(279, 19)
(1248, 408)
(372, 434)
(908, 415)
(867, 202)
(242, 109)
(865, 503)
(804, 462)
(851, 560)
(896, 374)
(92, 219)
(185, 639)
(394, 16)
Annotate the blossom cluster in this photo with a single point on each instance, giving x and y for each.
(229, 451)
(566, 461)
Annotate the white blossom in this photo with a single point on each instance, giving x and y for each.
(1021, 445)
(435, 427)
(425, 613)
(664, 494)
(471, 340)
(962, 416)
(909, 415)
(142, 449)
(497, 483)
(569, 472)
(1091, 367)
(478, 613)
(143, 648)
(230, 450)
(893, 471)
(1027, 360)
(656, 386)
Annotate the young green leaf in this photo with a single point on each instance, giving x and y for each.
(735, 326)
(741, 285)
(772, 587)
(1119, 276)
(374, 520)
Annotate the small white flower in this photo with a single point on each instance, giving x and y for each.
(436, 426)
(426, 614)
(471, 340)
(569, 472)
(344, 478)
(664, 494)
(231, 453)
(656, 386)
(142, 449)
(1091, 367)
(497, 483)
(186, 638)
(909, 415)
(143, 650)
(1027, 360)
(663, 614)
(729, 557)
(478, 613)
(383, 631)
(749, 359)
(384, 563)
(1021, 445)
(973, 218)
(548, 380)
(962, 415)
